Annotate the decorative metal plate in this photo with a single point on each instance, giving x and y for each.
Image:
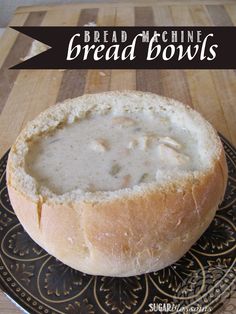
(39, 283)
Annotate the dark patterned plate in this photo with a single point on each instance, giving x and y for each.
(39, 283)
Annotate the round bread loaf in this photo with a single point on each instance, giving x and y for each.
(134, 216)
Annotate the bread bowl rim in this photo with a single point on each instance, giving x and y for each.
(17, 179)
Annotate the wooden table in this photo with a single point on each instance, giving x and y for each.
(25, 93)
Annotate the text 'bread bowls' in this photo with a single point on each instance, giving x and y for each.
(117, 183)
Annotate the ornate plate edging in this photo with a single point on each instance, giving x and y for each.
(87, 295)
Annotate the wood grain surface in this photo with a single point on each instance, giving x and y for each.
(25, 93)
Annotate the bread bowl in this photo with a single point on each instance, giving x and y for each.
(117, 183)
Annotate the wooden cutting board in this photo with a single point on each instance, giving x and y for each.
(25, 93)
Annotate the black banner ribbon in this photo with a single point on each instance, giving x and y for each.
(132, 48)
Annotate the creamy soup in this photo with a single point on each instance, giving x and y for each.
(110, 152)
